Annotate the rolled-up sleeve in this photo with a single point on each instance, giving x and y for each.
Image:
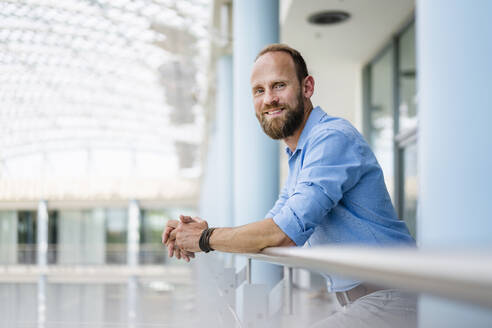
(278, 204)
(332, 165)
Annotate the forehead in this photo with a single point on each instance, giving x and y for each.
(273, 65)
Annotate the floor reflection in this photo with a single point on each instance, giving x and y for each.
(137, 303)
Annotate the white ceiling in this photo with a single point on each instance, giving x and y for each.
(102, 100)
(371, 25)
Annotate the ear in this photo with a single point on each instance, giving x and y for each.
(308, 86)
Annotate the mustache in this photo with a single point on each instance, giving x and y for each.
(277, 106)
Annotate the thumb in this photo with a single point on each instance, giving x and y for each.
(185, 219)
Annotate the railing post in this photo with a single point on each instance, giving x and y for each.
(248, 271)
(289, 306)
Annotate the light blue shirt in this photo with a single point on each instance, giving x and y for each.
(335, 193)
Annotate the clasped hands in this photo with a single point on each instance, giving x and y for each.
(181, 236)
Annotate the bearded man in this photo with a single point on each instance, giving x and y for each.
(334, 194)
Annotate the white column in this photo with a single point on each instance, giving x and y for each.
(454, 51)
(8, 237)
(42, 234)
(133, 233)
(133, 244)
(256, 176)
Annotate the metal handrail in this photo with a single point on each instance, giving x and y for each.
(461, 275)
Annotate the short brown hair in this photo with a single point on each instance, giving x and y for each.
(299, 63)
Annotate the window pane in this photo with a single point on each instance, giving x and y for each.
(151, 227)
(407, 73)
(152, 224)
(116, 234)
(411, 187)
(26, 237)
(381, 114)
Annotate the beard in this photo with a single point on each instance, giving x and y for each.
(284, 125)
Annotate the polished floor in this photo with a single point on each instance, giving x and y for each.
(180, 296)
(143, 302)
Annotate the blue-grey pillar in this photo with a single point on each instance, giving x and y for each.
(454, 51)
(256, 24)
(224, 115)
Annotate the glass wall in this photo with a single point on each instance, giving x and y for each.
(381, 114)
(81, 236)
(116, 235)
(406, 138)
(152, 224)
(407, 107)
(391, 116)
(85, 236)
(8, 237)
(26, 237)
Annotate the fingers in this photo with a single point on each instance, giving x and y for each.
(174, 250)
(165, 234)
(185, 219)
(169, 237)
(172, 223)
(170, 226)
(185, 256)
(170, 248)
(172, 235)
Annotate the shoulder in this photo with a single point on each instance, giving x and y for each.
(334, 131)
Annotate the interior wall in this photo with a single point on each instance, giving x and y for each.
(335, 86)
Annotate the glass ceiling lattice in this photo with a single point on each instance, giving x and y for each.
(101, 91)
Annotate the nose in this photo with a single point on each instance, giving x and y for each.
(271, 98)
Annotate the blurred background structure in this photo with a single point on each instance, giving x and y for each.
(116, 116)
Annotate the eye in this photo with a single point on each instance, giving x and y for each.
(279, 85)
(258, 91)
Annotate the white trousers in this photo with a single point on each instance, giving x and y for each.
(381, 309)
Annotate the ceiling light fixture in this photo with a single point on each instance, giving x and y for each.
(328, 17)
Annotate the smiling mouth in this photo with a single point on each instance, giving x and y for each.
(274, 112)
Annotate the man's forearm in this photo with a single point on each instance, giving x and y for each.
(249, 238)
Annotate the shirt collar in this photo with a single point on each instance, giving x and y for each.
(314, 117)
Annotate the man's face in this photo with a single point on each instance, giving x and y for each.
(277, 95)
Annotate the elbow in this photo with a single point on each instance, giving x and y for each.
(281, 243)
(282, 240)
(287, 242)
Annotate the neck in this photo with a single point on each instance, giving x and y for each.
(291, 141)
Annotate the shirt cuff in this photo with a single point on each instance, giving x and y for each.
(288, 222)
